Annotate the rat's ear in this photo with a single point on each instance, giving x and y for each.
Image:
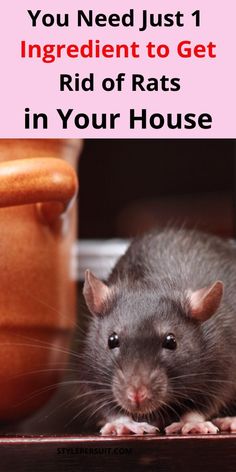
(95, 293)
(204, 302)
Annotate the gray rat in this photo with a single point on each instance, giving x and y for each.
(161, 346)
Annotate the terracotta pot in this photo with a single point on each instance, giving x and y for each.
(38, 185)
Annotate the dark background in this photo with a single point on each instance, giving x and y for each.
(127, 186)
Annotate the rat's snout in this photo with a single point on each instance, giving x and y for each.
(137, 395)
(139, 389)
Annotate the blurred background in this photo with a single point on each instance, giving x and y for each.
(128, 186)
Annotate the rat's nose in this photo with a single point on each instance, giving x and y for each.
(137, 395)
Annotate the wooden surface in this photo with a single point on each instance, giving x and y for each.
(94, 453)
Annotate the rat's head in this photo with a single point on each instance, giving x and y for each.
(149, 345)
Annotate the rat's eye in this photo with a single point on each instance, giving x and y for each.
(170, 342)
(113, 341)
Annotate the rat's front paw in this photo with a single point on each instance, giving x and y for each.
(226, 424)
(127, 426)
(200, 427)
